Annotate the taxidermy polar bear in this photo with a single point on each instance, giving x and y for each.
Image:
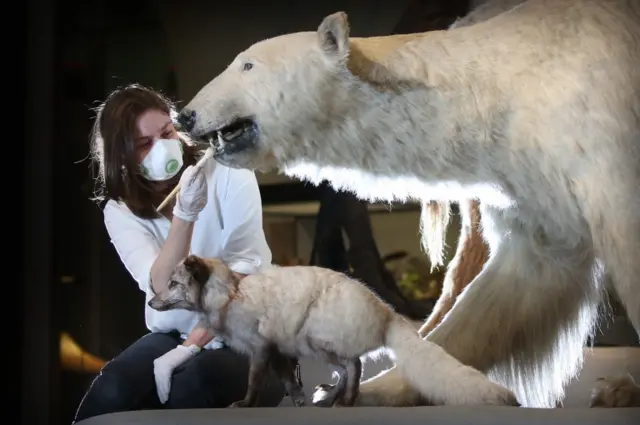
(535, 112)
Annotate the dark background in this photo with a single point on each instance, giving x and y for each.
(76, 52)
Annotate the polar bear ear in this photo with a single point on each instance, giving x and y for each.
(333, 34)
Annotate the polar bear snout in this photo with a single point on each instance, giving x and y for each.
(235, 143)
(187, 120)
(237, 135)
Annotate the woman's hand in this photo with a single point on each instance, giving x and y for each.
(164, 366)
(192, 196)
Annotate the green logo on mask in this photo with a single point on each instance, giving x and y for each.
(172, 166)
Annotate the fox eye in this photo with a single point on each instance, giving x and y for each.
(173, 284)
(247, 66)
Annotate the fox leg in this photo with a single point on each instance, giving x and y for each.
(332, 393)
(345, 391)
(258, 368)
(354, 374)
(285, 368)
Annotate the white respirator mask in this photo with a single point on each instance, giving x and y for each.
(163, 161)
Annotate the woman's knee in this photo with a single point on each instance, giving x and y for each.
(132, 369)
(113, 386)
(199, 392)
(217, 378)
(125, 382)
(195, 387)
(109, 392)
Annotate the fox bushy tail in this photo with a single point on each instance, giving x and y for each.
(423, 365)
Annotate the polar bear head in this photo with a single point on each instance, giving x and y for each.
(267, 107)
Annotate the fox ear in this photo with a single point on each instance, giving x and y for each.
(197, 268)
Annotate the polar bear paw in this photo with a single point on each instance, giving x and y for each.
(615, 391)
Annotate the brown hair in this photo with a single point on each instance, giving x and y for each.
(113, 149)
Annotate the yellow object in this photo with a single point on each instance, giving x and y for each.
(433, 290)
(73, 358)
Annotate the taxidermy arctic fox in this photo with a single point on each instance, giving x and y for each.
(312, 311)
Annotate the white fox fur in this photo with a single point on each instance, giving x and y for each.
(320, 313)
(535, 112)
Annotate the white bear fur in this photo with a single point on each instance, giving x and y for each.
(535, 112)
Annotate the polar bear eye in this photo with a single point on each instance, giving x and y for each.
(247, 66)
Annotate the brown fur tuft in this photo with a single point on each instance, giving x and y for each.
(197, 268)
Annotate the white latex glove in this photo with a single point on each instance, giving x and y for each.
(192, 196)
(164, 366)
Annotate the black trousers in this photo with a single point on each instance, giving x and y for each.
(210, 379)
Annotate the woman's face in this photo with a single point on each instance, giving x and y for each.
(151, 126)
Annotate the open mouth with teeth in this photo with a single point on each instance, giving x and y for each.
(232, 138)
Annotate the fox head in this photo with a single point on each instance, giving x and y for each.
(186, 285)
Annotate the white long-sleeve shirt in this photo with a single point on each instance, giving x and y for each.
(229, 227)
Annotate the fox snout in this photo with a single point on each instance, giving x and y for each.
(159, 304)
(171, 300)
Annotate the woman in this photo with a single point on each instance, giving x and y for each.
(217, 213)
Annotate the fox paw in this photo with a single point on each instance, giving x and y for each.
(615, 391)
(239, 403)
(325, 395)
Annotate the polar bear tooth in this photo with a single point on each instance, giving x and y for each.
(220, 140)
(235, 134)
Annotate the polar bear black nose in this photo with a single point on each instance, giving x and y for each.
(187, 119)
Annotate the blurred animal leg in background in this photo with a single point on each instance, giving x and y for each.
(471, 254)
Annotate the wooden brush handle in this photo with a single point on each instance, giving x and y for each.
(207, 154)
(169, 197)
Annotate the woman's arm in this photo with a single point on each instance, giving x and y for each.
(191, 199)
(149, 263)
(242, 208)
(200, 335)
(245, 246)
(140, 251)
(135, 245)
(175, 249)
